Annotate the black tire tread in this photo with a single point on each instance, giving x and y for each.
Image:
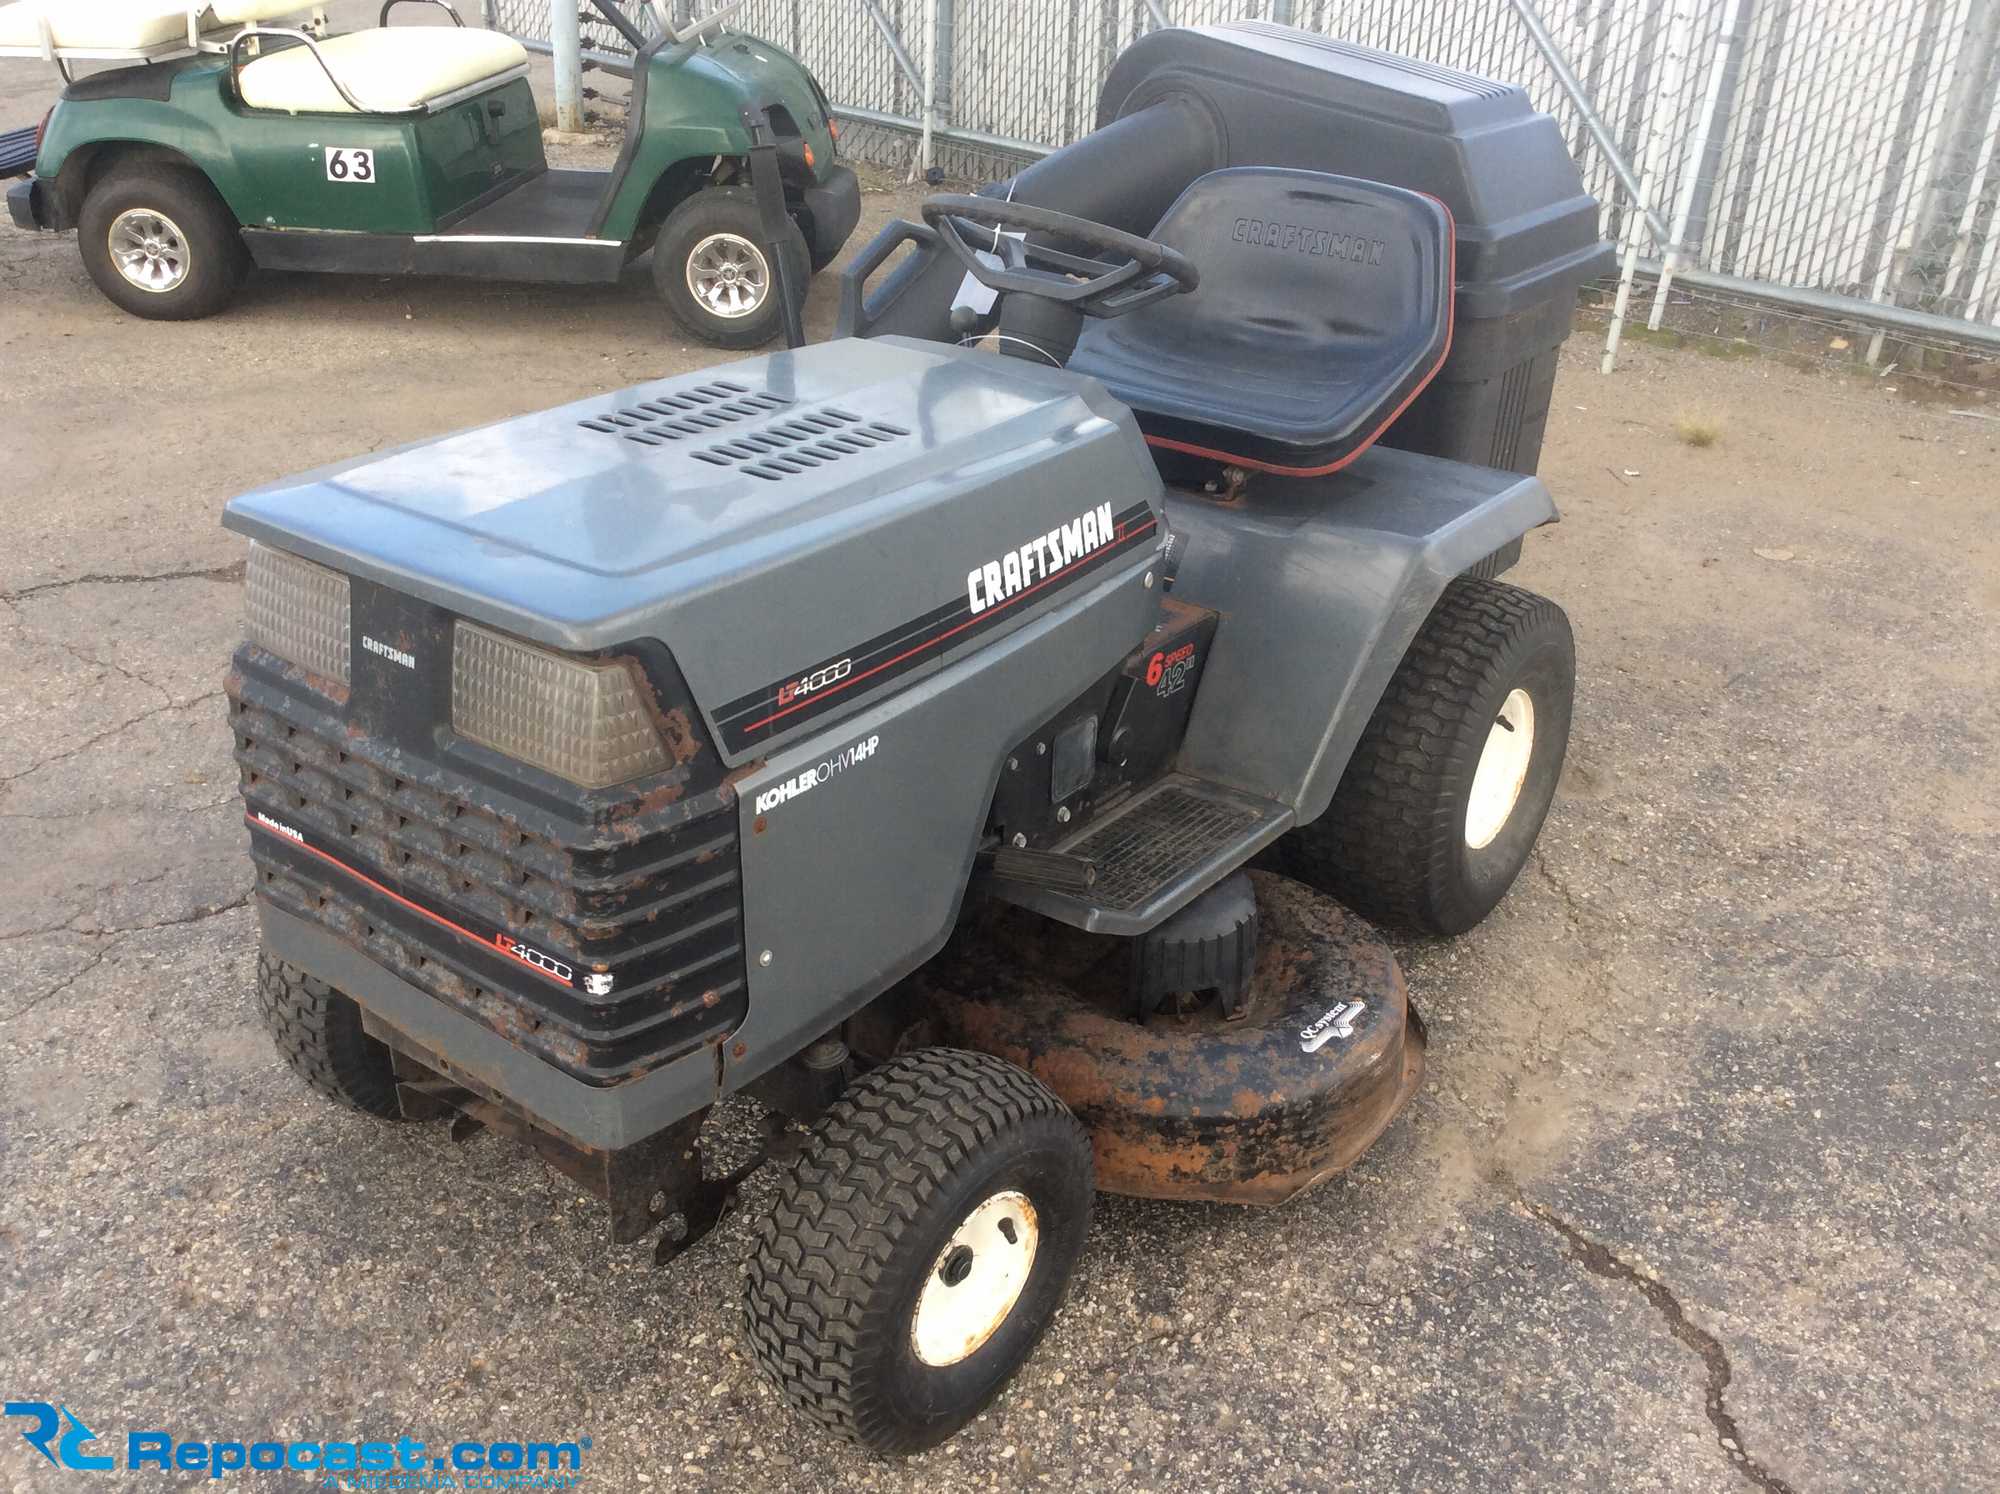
(874, 1160)
(318, 1030)
(1383, 841)
(721, 207)
(191, 199)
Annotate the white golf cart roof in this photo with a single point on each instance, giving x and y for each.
(127, 30)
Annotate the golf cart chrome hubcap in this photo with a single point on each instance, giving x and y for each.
(1503, 768)
(149, 249)
(976, 1279)
(728, 275)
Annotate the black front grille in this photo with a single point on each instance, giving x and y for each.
(434, 874)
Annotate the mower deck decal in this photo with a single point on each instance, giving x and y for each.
(496, 943)
(884, 657)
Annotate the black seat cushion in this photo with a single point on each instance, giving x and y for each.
(1323, 310)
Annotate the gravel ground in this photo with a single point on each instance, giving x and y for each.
(1699, 1192)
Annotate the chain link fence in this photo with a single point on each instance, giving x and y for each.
(1814, 178)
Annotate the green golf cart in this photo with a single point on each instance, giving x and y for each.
(220, 141)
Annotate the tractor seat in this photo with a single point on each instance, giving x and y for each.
(390, 70)
(1324, 309)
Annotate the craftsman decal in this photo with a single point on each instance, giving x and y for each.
(393, 655)
(1040, 557)
(811, 778)
(994, 593)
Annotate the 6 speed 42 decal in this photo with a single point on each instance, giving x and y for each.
(1040, 567)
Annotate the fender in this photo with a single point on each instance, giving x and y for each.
(1322, 583)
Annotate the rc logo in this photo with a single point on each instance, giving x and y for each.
(48, 1420)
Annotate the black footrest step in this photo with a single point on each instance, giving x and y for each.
(1153, 854)
(17, 152)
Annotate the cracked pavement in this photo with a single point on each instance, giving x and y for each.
(1699, 1192)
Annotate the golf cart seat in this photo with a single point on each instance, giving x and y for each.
(388, 70)
(1324, 309)
(113, 30)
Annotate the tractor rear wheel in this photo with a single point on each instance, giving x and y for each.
(918, 1247)
(160, 243)
(1448, 787)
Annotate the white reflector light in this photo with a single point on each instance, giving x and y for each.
(299, 611)
(580, 721)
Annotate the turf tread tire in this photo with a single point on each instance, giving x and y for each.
(1390, 845)
(820, 1306)
(318, 1030)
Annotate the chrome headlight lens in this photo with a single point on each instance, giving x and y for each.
(579, 720)
(300, 612)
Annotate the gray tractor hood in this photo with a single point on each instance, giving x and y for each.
(757, 518)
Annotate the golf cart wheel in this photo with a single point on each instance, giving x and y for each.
(919, 1247)
(160, 243)
(1448, 787)
(319, 1032)
(714, 270)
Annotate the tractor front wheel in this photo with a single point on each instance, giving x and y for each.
(919, 1247)
(1448, 787)
(318, 1030)
(714, 270)
(160, 243)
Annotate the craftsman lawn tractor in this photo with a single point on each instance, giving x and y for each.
(219, 141)
(979, 738)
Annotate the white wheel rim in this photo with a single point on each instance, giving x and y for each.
(976, 1279)
(728, 275)
(149, 250)
(1503, 768)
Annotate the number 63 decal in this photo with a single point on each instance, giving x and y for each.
(346, 164)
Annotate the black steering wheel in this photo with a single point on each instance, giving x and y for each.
(1139, 272)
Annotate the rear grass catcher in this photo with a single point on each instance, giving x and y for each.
(1128, 563)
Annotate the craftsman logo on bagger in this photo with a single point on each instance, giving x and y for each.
(1319, 243)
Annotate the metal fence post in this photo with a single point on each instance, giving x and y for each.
(1697, 158)
(1961, 139)
(567, 48)
(1680, 36)
(932, 24)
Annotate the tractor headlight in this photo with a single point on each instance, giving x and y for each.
(578, 720)
(299, 611)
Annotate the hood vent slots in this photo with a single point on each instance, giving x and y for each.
(700, 411)
(800, 443)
